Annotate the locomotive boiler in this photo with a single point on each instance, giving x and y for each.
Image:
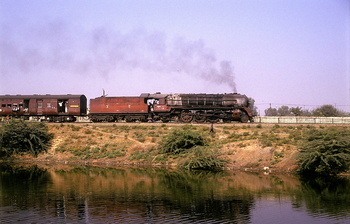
(172, 107)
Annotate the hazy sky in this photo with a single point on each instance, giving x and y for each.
(283, 52)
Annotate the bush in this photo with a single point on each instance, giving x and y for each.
(325, 152)
(19, 136)
(203, 158)
(192, 146)
(180, 140)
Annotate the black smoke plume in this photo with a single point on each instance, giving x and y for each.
(70, 49)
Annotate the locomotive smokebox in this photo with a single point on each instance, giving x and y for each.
(235, 100)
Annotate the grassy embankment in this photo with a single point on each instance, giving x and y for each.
(246, 147)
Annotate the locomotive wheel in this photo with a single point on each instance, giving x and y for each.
(213, 120)
(186, 116)
(200, 116)
(244, 118)
(94, 119)
(109, 118)
(164, 120)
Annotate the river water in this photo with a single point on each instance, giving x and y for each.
(86, 194)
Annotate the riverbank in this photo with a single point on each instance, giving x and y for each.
(250, 147)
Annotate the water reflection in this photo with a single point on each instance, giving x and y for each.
(330, 196)
(94, 194)
(22, 186)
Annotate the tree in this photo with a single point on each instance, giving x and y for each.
(19, 136)
(306, 112)
(325, 152)
(297, 111)
(271, 112)
(283, 111)
(326, 111)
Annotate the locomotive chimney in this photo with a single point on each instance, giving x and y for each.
(104, 93)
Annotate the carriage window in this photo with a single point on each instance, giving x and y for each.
(48, 105)
(3, 105)
(9, 105)
(40, 105)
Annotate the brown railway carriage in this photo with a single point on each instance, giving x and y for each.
(49, 107)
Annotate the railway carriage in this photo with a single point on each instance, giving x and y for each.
(54, 108)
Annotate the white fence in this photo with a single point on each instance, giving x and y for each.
(302, 120)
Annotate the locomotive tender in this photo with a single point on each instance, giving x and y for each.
(146, 107)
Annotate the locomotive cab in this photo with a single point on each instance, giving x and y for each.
(157, 102)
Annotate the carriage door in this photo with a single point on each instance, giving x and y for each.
(26, 107)
(39, 104)
(63, 106)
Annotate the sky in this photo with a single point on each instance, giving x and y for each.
(278, 52)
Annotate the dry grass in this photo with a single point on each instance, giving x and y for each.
(247, 147)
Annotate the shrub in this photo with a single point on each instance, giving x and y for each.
(179, 140)
(19, 136)
(141, 155)
(276, 126)
(203, 158)
(140, 136)
(88, 132)
(325, 152)
(75, 128)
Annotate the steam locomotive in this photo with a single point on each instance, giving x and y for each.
(146, 107)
